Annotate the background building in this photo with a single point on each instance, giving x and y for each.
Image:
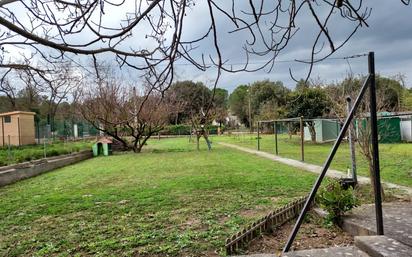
(17, 128)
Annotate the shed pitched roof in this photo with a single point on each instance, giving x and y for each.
(16, 113)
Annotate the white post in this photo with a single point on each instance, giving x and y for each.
(75, 131)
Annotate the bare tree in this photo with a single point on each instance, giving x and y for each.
(121, 113)
(350, 87)
(10, 91)
(60, 85)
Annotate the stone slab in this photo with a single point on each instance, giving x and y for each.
(397, 221)
(349, 251)
(382, 246)
(258, 255)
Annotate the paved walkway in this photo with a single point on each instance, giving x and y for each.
(312, 167)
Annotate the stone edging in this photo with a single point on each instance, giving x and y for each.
(13, 173)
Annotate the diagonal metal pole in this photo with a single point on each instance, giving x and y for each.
(375, 146)
(351, 138)
(258, 136)
(326, 166)
(276, 138)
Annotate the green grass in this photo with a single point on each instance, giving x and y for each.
(395, 159)
(168, 200)
(19, 154)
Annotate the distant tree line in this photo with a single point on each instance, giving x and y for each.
(131, 116)
(312, 99)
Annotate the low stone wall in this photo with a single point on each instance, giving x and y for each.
(12, 173)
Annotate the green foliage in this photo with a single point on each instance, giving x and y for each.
(391, 95)
(264, 92)
(182, 129)
(336, 201)
(309, 103)
(221, 99)
(407, 99)
(191, 96)
(267, 100)
(238, 103)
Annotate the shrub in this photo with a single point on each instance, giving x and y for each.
(177, 130)
(52, 152)
(336, 201)
(182, 129)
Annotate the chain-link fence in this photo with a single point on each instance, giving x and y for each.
(48, 147)
(64, 130)
(24, 138)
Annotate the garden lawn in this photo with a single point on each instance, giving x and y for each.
(168, 200)
(395, 159)
(18, 154)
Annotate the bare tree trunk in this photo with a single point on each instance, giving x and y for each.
(209, 146)
(372, 178)
(312, 132)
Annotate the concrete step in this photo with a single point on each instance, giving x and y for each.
(324, 252)
(397, 221)
(382, 246)
(327, 252)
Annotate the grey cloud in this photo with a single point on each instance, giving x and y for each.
(389, 35)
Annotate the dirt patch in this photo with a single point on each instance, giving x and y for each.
(312, 234)
(253, 213)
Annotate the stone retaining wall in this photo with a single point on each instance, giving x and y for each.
(12, 173)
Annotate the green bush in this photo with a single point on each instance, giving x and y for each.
(34, 152)
(180, 129)
(336, 201)
(52, 152)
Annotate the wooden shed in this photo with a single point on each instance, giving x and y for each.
(17, 128)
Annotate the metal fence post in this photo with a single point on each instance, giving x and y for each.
(44, 147)
(276, 138)
(325, 167)
(9, 149)
(375, 146)
(302, 139)
(258, 136)
(352, 141)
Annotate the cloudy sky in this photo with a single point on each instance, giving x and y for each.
(389, 35)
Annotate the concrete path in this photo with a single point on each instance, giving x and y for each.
(312, 167)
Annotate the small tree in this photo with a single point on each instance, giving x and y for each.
(220, 106)
(121, 113)
(238, 103)
(386, 100)
(309, 102)
(195, 102)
